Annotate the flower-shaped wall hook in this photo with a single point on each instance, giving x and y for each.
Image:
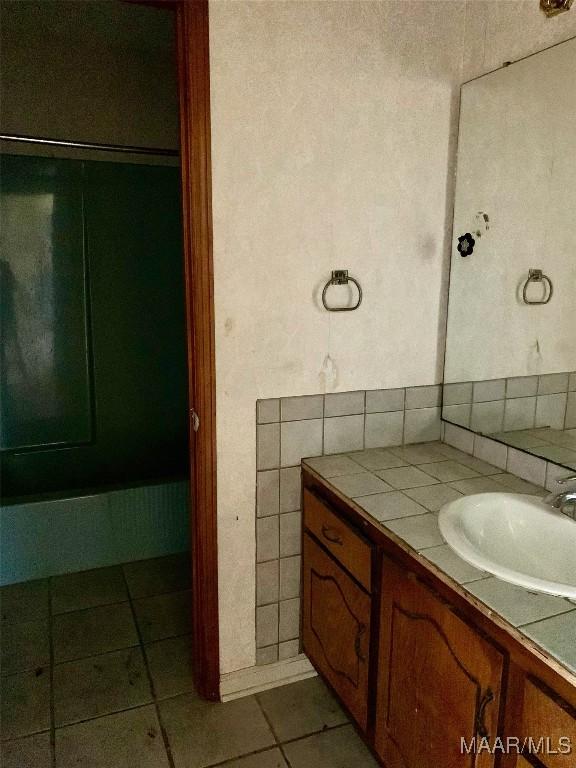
(466, 244)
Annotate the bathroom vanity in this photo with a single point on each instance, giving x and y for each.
(416, 658)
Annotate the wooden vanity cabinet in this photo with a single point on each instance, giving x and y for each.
(546, 716)
(336, 629)
(439, 680)
(336, 617)
(415, 663)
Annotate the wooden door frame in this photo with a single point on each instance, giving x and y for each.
(193, 57)
(192, 33)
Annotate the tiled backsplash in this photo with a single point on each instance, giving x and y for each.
(292, 428)
(534, 469)
(505, 405)
(289, 429)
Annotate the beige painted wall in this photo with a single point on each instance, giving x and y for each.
(332, 127)
(507, 30)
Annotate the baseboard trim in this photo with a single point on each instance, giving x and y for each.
(245, 682)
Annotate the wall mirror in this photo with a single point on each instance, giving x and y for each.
(510, 367)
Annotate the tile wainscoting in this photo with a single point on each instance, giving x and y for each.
(289, 429)
(506, 405)
(517, 462)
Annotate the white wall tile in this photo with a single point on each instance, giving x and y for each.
(290, 533)
(290, 489)
(306, 407)
(267, 446)
(422, 425)
(344, 433)
(381, 400)
(456, 394)
(289, 619)
(267, 493)
(343, 403)
(459, 438)
(267, 538)
(491, 451)
(266, 625)
(267, 582)
(423, 397)
(527, 467)
(384, 429)
(551, 410)
(300, 439)
(268, 411)
(458, 414)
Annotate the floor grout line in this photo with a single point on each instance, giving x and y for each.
(54, 663)
(154, 699)
(272, 729)
(73, 723)
(88, 608)
(163, 731)
(139, 643)
(279, 744)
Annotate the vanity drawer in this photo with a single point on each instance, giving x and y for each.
(545, 718)
(336, 628)
(339, 539)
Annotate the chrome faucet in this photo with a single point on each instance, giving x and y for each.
(565, 497)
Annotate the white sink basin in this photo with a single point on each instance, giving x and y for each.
(516, 537)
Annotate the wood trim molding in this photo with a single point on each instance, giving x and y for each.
(194, 93)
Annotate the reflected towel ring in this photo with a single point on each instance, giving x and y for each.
(341, 277)
(537, 276)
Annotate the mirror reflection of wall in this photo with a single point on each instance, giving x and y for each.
(510, 368)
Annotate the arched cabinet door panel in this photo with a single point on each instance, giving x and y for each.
(439, 680)
(336, 628)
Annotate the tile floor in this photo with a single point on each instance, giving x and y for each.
(96, 674)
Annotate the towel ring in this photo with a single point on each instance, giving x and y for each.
(341, 277)
(537, 276)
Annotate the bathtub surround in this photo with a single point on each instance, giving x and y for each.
(289, 429)
(124, 93)
(46, 538)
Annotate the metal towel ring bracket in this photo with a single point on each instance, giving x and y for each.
(341, 277)
(537, 276)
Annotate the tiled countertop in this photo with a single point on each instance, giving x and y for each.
(403, 489)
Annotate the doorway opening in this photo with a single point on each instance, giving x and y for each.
(106, 283)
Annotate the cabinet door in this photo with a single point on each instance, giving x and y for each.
(336, 628)
(438, 680)
(549, 723)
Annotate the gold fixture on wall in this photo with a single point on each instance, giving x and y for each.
(554, 7)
